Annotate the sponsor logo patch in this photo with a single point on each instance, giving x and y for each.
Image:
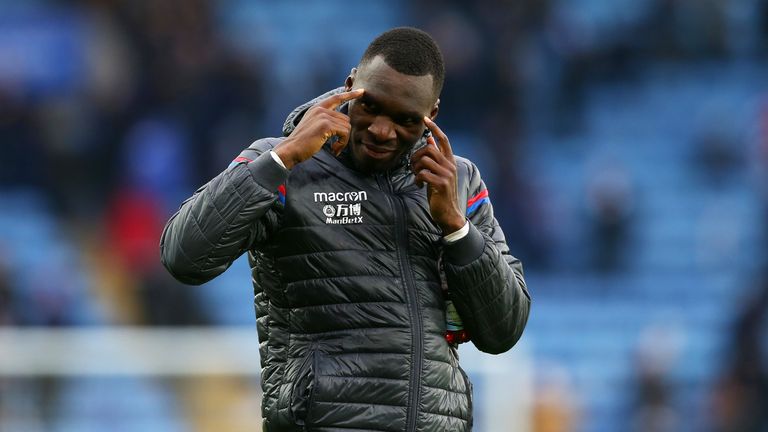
(341, 208)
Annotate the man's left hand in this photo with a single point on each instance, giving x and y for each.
(434, 165)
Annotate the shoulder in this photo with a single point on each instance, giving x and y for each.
(258, 147)
(265, 144)
(464, 163)
(470, 185)
(468, 173)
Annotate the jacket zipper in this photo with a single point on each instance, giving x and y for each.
(401, 237)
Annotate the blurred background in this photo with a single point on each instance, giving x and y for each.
(624, 142)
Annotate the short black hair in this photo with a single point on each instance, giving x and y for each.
(409, 51)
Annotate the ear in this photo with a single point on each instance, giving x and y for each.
(435, 110)
(350, 81)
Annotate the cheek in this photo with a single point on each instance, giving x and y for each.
(405, 144)
(359, 124)
(408, 139)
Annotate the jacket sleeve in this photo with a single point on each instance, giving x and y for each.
(486, 282)
(224, 218)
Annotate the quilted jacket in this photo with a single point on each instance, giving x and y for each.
(349, 272)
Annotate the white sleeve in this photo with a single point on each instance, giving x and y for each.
(457, 235)
(277, 158)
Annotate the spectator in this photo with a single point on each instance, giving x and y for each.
(653, 408)
(741, 393)
(7, 314)
(555, 406)
(610, 206)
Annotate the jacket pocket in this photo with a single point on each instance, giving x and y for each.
(468, 383)
(303, 388)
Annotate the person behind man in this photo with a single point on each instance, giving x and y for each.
(364, 234)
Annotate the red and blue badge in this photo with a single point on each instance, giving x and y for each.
(281, 194)
(239, 160)
(280, 189)
(477, 201)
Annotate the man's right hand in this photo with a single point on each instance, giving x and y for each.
(318, 125)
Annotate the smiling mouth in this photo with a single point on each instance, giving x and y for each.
(377, 152)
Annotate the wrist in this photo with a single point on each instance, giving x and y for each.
(288, 159)
(454, 224)
(457, 235)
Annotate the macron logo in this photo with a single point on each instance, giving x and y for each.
(347, 208)
(340, 196)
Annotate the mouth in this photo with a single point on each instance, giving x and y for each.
(377, 152)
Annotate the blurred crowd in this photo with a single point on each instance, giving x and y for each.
(116, 144)
(115, 111)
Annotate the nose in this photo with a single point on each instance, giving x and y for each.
(382, 129)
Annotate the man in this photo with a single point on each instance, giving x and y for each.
(353, 224)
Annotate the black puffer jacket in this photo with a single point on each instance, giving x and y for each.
(346, 273)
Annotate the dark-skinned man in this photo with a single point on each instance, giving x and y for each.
(374, 253)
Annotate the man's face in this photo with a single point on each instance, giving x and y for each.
(387, 120)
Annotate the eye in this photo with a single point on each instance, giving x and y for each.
(367, 106)
(407, 121)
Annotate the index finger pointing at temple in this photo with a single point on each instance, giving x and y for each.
(442, 140)
(334, 101)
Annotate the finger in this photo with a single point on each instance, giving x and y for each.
(417, 164)
(335, 115)
(430, 150)
(429, 157)
(324, 114)
(441, 139)
(341, 130)
(435, 182)
(335, 126)
(432, 143)
(334, 101)
(339, 146)
(414, 167)
(427, 163)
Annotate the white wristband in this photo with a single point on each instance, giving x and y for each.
(277, 158)
(457, 235)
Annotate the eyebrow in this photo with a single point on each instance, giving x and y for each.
(414, 115)
(406, 114)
